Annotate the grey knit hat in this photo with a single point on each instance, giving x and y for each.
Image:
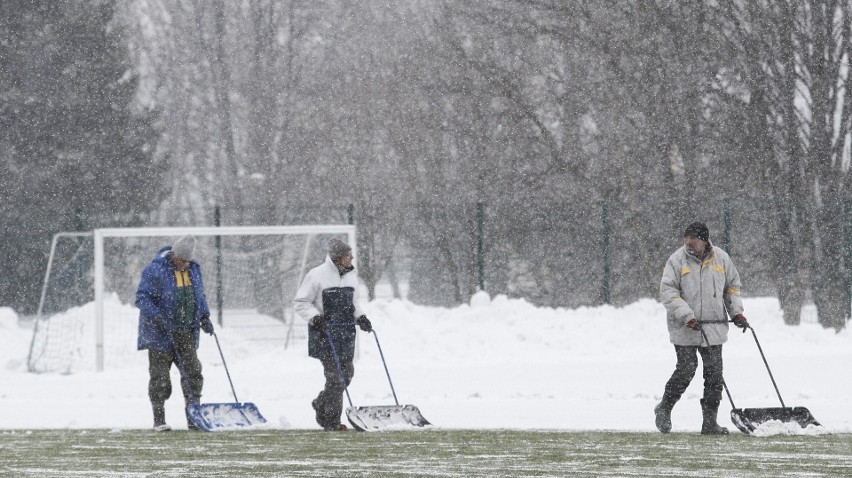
(337, 249)
(184, 248)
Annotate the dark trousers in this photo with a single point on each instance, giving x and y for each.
(687, 362)
(159, 367)
(329, 402)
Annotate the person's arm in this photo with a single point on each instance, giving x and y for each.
(148, 292)
(203, 309)
(731, 294)
(303, 303)
(356, 301)
(670, 294)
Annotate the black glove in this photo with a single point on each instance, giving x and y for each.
(364, 323)
(159, 323)
(317, 322)
(693, 324)
(741, 322)
(206, 325)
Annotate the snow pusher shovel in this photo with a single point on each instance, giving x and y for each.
(220, 416)
(747, 420)
(378, 417)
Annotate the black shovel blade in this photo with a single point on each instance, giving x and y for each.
(748, 419)
(380, 417)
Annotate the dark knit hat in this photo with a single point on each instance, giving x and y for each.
(698, 230)
(337, 249)
(184, 248)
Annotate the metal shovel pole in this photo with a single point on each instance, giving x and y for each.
(759, 348)
(724, 384)
(184, 378)
(237, 400)
(339, 368)
(386, 366)
(226, 367)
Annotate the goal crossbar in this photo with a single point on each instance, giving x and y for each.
(101, 234)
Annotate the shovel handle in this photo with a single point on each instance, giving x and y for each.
(339, 368)
(226, 367)
(760, 349)
(183, 376)
(386, 366)
(724, 384)
(237, 400)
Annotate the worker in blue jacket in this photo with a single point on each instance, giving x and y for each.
(172, 308)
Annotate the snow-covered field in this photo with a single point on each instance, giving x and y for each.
(499, 363)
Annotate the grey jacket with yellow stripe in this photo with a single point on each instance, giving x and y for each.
(702, 290)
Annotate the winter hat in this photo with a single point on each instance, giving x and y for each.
(698, 230)
(337, 249)
(184, 248)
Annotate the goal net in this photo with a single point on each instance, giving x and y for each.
(87, 319)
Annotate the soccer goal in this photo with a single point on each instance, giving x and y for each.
(87, 319)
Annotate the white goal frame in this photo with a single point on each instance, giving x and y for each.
(101, 234)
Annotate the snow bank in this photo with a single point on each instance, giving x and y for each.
(8, 318)
(495, 363)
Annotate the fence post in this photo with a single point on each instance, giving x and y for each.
(847, 255)
(726, 219)
(350, 214)
(79, 223)
(217, 221)
(606, 258)
(480, 220)
(80, 226)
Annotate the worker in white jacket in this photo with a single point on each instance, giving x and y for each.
(700, 288)
(327, 300)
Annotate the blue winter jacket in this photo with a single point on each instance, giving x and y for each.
(157, 295)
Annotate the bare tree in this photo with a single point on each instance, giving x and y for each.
(792, 57)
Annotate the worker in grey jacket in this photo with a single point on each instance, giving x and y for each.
(700, 288)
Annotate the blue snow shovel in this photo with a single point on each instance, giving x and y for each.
(378, 417)
(219, 416)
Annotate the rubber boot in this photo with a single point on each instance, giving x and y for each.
(319, 416)
(709, 410)
(663, 414)
(336, 428)
(160, 418)
(189, 423)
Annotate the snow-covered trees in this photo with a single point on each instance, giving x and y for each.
(77, 148)
(551, 114)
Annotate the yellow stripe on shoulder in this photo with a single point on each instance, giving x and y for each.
(719, 268)
(686, 270)
(733, 291)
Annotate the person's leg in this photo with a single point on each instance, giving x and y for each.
(329, 402)
(712, 359)
(185, 344)
(159, 384)
(713, 383)
(687, 362)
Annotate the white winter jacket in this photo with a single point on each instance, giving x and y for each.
(308, 300)
(702, 290)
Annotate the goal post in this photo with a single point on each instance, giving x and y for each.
(256, 268)
(101, 234)
(49, 270)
